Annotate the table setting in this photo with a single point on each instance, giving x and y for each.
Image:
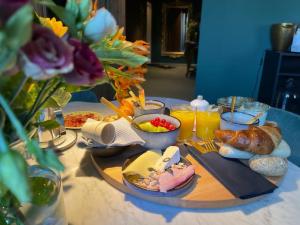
(136, 159)
(212, 189)
(235, 193)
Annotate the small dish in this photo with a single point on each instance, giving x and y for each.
(75, 120)
(236, 121)
(151, 107)
(157, 140)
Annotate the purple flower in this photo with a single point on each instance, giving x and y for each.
(8, 7)
(46, 55)
(87, 67)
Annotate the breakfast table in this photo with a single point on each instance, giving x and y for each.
(90, 200)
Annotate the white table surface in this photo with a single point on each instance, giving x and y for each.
(89, 200)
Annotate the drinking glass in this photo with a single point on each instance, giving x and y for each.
(51, 137)
(47, 205)
(206, 123)
(187, 117)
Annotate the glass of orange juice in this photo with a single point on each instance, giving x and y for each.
(187, 117)
(206, 124)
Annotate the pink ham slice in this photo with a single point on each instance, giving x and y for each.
(167, 181)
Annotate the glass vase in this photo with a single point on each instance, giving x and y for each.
(47, 205)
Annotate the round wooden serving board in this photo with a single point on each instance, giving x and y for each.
(207, 192)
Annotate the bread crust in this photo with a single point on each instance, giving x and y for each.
(259, 140)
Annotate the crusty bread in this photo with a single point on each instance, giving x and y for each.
(258, 140)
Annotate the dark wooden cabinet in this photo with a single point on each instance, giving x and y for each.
(277, 69)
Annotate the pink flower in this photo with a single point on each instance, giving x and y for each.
(46, 55)
(87, 67)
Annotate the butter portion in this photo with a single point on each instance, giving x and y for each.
(143, 164)
(171, 156)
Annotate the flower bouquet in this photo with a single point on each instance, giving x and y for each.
(42, 60)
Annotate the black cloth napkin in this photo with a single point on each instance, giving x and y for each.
(238, 178)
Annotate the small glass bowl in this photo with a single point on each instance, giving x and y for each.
(255, 108)
(236, 121)
(225, 102)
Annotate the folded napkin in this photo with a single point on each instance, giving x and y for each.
(124, 136)
(237, 177)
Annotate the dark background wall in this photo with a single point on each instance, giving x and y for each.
(233, 37)
(136, 20)
(157, 29)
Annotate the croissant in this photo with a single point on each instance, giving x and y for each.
(258, 140)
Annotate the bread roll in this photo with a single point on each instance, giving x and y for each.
(258, 140)
(269, 165)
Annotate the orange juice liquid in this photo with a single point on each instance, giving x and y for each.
(186, 118)
(206, 124)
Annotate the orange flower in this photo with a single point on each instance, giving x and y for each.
(123, 84)
(141, 47)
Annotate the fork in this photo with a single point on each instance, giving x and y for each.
(210, 146)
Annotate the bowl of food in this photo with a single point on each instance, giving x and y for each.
(151, 107)
(158, 130)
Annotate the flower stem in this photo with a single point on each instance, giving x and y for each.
(2, 118)
(3, 144)
(50, 94)
(38, 98)
(32, 114)
(21, 85)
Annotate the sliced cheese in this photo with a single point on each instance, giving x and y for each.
(143, 164)
(171, 156)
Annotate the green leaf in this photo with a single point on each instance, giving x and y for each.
(119, 72)
(13, 174)
(84, 9)
(18, 27)
(7, 59)
(59, 99)
(3, 145)
(73, 88)
(48, 124)
(2, 219)
(72, 7)
(45, 158)
(118, 56)
(116, 44)
(3, 190)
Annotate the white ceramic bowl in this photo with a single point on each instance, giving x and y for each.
(157, 140)
(151, 107)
